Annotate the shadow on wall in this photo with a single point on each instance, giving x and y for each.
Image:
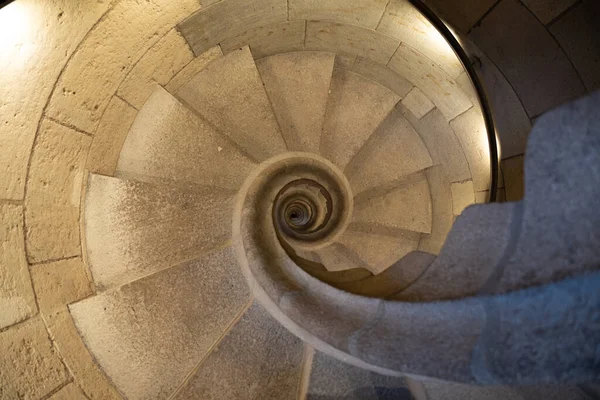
(370, 393)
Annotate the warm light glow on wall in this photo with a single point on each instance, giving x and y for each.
(15, 32)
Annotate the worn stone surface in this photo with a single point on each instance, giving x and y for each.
(298, 86)
(354, 12)
(53, 193)
(160, 64)
(38, 39)
(338, 257)
(442, 143)
(135, 229)
(350, 39)
(92, 76)
(266, 40)
(69, 392)
(61, 282)
(344, 61)
(514, 180)
(392, 152)
(529, 57)
(417, 103)
(149, 335)
(463, 196)
(229, 18)
(546, 10)
(461, 17)
(258, 359)
(110, 136)
(441, 210)
(229, 93)
(168, 143)
(437, 85)
(578, 34)
(193, 68)
(17, 301)
(355, 109)
(77, 358)
(404, 22)
(31, 368)
(331, 378)
(473, 136)
(382, 74)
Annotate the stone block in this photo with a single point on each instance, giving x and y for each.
(349, 39)
(546, 10)
(441, 210)
(31, 368)
(54, 191)
(267, 40)
(338, 257)
(229, 18)
(110, 136)
(463, 196)
(417, 103)
(353, 12)
(528, 56)
(17, 301)
(462, 17)
(382, 74)
(193, 68)
(69, 392)
(159, 65)
(93, 74)
(514, 179)
(257, 359)
(60, 283)
(150, 334)
(438, 86)
(355, 109)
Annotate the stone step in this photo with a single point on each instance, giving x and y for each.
(338, 257)
(297, 84)
(169, 143)
(149, 335)
(135, 229)
(355, 108)
(393, 151)
(230, 94)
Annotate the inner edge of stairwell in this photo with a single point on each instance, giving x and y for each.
(305, 371)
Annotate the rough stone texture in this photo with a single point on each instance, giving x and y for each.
(193, 68)
(229, 94)
(135, 229)
(354, 12)
(338, 257)
(379, 251)
(417, 103)
(61, 282)
(438, 86)
(382, 74)
(528, 56)
(258, 359)
(547, 10)
(168, 143)
(404, 22)
(436, 389)
(350, 39)
(38, 39)
(578, 33)
(474, 248)
(110, 136)
(514, 181)
(344, 61)
(69, 392)
(441, 210)
(229, 18)
(392, 152)
(77, 358)
(556, 392)
(31, 368)
(16, 294)
(355, 109)
(333, 379)
(463, 196)
(91, 78)
(267, 40)
(160, 64)
(149, 335)
(406, 207)
(298, 86)
(442, 143)
(53, 193)
(464, 17)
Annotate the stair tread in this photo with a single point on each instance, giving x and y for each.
(168, 142)
(355, 108)
(229, 93)
(297, 84)
(338, 257)
(148, 335)
(134, 229)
